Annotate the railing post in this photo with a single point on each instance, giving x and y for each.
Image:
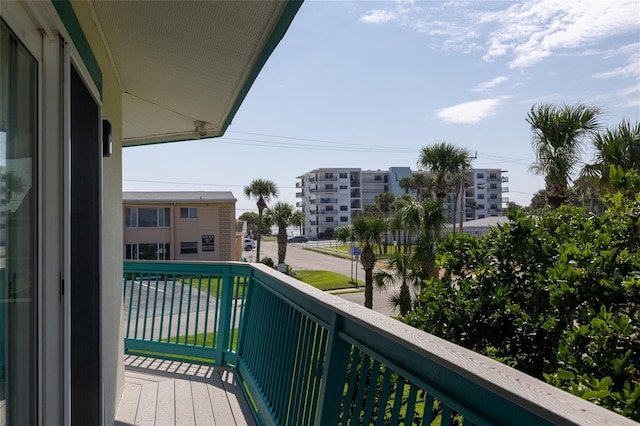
(333, 375)
(225, 315)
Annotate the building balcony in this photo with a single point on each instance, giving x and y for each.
(327, 179)
(300, 204)
(300, 194)
(326, 190)
(327, 200)
(299, 185)
(505, 189)
(301, 356)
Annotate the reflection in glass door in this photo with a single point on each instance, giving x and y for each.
(18, 136)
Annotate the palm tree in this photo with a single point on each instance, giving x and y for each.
(444, 160)
(281, 214)
(298, 220)
(384, 202)
(406, 183)
(409, 217)
(367, 230)
(423, 185)
(619, 147)
(261, 190)
(558, 134)
(399, 269)
(423, 257)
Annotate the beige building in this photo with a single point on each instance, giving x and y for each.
(179, 226)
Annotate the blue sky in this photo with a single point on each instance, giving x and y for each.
(368, 83)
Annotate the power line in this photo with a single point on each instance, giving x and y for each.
(195, 184)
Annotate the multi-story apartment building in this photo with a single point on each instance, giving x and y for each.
(330, 197)
(180, 226)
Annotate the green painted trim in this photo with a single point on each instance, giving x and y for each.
(278, 33)
(71, 23)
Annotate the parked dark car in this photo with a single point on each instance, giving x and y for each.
(298, 239)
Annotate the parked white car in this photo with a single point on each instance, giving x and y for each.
(249, 244)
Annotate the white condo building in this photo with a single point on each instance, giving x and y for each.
(330, 197)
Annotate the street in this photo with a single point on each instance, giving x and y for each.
(301, 259)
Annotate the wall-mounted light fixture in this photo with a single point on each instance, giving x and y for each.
(200, 129)
(107, 141)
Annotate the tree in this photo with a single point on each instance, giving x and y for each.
(251, 219)
(406, 183)
(558, 133)
(423, 185)
(384, 202)
(538, 201)
(281, 214)
(298, 220)
(556, 296)
(444, 160)
(399, 269)
(619, 147)
(367, 230)
(424, 256)
(261, 190)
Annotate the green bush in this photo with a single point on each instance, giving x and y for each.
(555, 296)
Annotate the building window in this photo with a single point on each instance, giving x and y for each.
(480, 196)
(328, 175)
(493, 176)
(344, 219)
(330, 219)
(189, 248)
(493, 207)
(480, 207)
(159, 251)
(480, 216)
(147, 217)
(329, 208)
(480, 176)
(344, 187)
(493, 196)
(328, 186)
(344, 208)
(493, 186)
(188, 213)
(377, 178)
(343, 175)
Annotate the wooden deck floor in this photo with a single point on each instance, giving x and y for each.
(159, 392)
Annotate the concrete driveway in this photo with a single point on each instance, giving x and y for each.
(301, 259)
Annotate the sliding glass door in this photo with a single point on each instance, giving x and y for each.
(18, 307)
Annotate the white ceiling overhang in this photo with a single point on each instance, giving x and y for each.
(183, 62)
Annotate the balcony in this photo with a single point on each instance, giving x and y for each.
(327, 200)
(327, 190)
(300, 194)
(302, 357)
(300, 204)
(327, 179)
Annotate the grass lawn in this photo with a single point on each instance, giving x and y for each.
(326, 280)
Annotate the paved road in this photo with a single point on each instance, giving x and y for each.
(301, 259)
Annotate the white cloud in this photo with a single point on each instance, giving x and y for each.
(471, 112)
(524, 32)
(378, 17)
(632, 69)
(532, 31)
(482, 87)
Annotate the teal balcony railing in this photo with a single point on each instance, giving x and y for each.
(305, 357)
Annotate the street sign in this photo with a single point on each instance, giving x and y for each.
(356, 251)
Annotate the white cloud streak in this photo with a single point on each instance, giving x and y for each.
(525, 33)
(471, 112)
(483, 87)
(532, 31)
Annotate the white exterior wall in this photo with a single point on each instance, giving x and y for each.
(484, 183)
